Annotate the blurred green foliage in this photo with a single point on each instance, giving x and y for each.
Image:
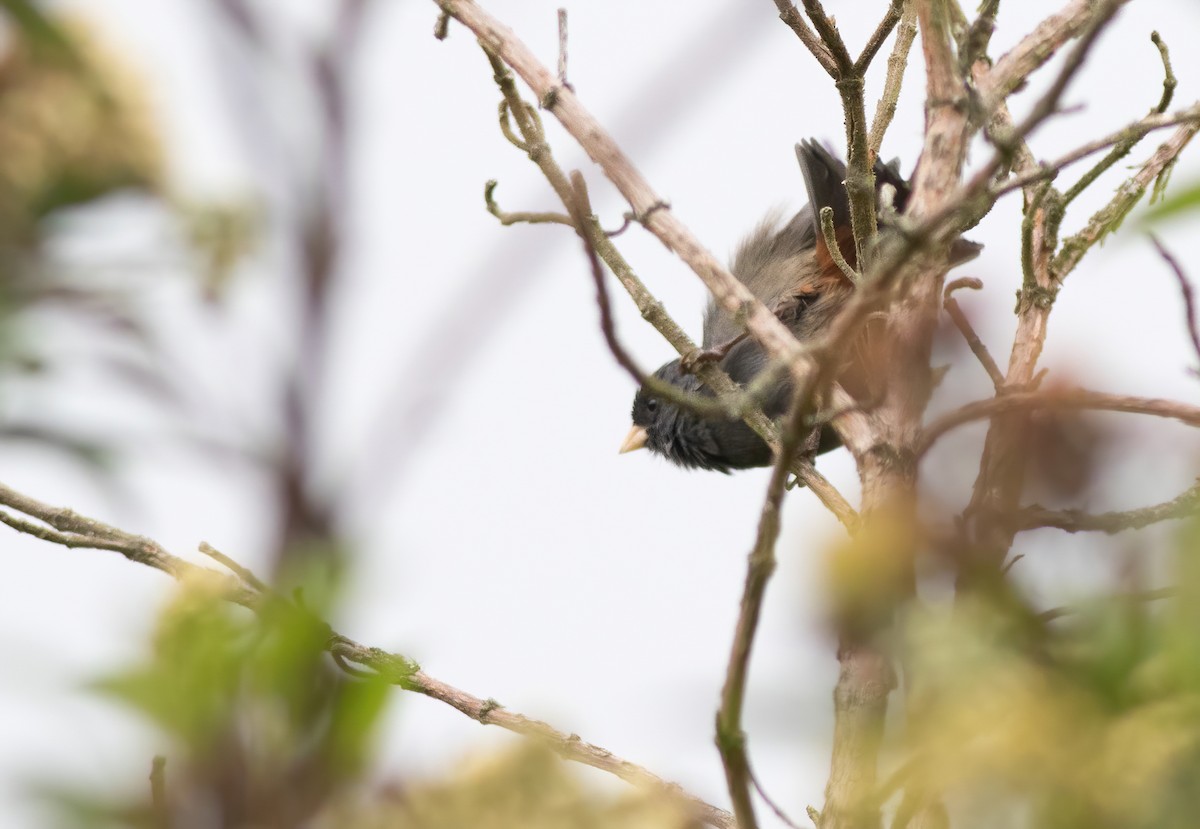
(1181, 202)
(1084, 718)
(263, 731)
(73, 126)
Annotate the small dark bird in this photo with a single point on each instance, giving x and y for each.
(791, 271)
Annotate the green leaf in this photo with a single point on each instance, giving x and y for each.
(1182, 201)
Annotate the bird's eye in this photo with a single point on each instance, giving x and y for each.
(652, 405)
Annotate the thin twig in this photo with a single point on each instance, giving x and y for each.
(1124, 147)
(393, 668)
(835, 250)
(860, 171)
(1074, 399)
(562, 49)
(1017, 64)
(701, 404)
(890, 18)
(1035, 517)
(519, 217)
(731, 740)
(243, 573)
(830, 36)
(1185, 287)
(1169, 79)
(790, 15)
(968, 331)
(1131, 132)
(897, 62)
(1108, 218)
(775, 807)
(979, 36)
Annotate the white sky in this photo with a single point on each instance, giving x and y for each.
(519, 557)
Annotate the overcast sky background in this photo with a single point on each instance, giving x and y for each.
(513, 552)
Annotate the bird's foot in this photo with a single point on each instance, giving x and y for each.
(692, 361)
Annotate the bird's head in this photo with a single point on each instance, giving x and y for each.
(684, 437)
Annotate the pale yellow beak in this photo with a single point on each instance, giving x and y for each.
(636, 439)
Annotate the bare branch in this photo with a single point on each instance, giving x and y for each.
(731, 740)
(830, 36)
(1069, 399)
(1169, 80)
(965, 328)
(1181, 506)
(1130, 133)
(885, 110)
(568, 746)
(1109, 217)
(835, 250)
(1012, 68)
(790, 15)
(1124, 147)
(875, 42)
(1185, 287)
(762, 792)
(391, 667)
(562, 49)
(520, 217)
(860, 171)
(979, 36)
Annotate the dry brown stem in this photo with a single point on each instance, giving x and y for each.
(67, 528)
(1181, 506)
(1074, 399)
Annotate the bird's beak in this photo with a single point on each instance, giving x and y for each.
(636, 439)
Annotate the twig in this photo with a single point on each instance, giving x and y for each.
(506, 218)
(1185, 287)
(568, 746)
(1048, 104)
(1108, 218)
(860, 171)
(160, 810)
(897, 62)
(731, 740)
(968, 331)
(979, 36)
(243, 573)
(1131, 132)
(1069, 399)
(441, 28)
(391, 667)
(562, 49)
(835, 250)
(1169, 80)
(1012, 68)
(1035, 517)
(790, 15)
(830, 36)
(736, 403)
(1124, 147)
(890, 18)
(762, 792)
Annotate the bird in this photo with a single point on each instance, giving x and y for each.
(790, 269)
